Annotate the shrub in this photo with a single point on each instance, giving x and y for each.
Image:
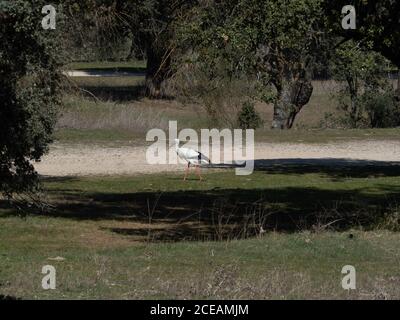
(375, 109)
(390, 219)
(381, 109)
(248, 117)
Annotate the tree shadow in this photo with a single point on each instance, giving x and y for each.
(8, 298)
(120, 93)
(53, 179)
(115, 93)
(119, 71)
(333, 167)
(229, 213)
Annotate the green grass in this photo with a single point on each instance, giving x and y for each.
(365, 180)
(116, 245)
(326, 135)
(292, 266)
(118, 137)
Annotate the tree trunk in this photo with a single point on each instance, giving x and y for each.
(292, 96)
(158, 70)
(397, 91)
(353, 89)
(353, 111)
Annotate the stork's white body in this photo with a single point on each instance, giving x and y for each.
(193, 157)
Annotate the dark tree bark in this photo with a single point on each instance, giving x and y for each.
(292, 96)
(353, 89)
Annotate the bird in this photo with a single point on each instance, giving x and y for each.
(193, 158)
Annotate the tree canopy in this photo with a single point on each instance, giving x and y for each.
(276, 41)
(377, 25)
(29, 82)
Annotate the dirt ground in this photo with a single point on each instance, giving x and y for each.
(82, 160)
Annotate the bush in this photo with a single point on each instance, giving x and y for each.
(248, 117)
(374, 109)
(381, 108)
(390, 219)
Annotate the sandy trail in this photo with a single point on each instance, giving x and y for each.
(82, 160)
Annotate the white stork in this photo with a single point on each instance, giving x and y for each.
(193, 157)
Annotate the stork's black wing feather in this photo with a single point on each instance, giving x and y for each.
(203, 157)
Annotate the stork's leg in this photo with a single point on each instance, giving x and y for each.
(186, 172)
(198, 172)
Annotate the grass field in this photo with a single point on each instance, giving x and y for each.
(285, 232)
(117, 137)
(159, 237)
(85, 119)
(99, 265)
(120, 113)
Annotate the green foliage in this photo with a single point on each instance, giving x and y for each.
(354, 63)
(375, 109)
(381, 108)
(96, 30)
(29, 82)
(273, 42)
(248, 118)
(366, 97)
(252, 36)
(377, 25)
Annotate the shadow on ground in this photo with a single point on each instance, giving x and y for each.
(117, 93)
(333, 167)
(129, 71)
(228, 213)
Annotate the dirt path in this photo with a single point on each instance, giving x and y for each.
(81, 160)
